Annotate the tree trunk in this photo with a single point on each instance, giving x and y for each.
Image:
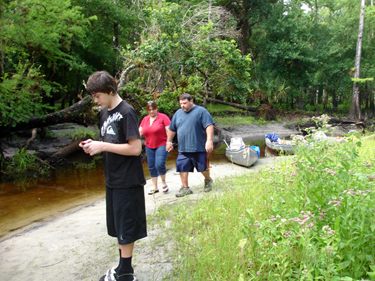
(311, 95)
(125, 73)
(2, 64)
(366, 97)
(72, 114)
(372, 28)
(334, 99)
(32, 139)
(115, 46)
(300, 103)
(371, 105)
(292, 102)
(317, 97)
(355, 108)
(339, 95)
(245, 29)
(325, 99)
(372, 108)
(249, 108)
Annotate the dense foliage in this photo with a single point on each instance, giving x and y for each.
(288, 54)
(308, 217)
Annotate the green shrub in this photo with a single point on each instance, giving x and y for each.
(25, 168)
(309, 217)
(84, 133)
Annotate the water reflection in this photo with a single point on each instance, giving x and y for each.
(66, 189)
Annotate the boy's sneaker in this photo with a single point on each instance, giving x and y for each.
(130, 277)
(184, 191)
(207, 185)
(112, 276)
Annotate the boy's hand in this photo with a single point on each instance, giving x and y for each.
(91, 147)
(83, 143)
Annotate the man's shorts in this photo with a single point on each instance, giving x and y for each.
(126, 214)
(187, 161)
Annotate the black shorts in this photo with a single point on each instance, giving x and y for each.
(187, 161)
(126, 214)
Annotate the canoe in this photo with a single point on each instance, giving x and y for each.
(245, 156)
(281, 146)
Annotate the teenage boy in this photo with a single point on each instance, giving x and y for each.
(124, 178)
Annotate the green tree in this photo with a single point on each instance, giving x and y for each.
(184, 51)
(248, 13)
(36, 38)
(287, 46)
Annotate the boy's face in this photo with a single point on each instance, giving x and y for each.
(102, 99)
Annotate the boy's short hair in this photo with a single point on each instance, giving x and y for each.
(186, 96)
(101, 81)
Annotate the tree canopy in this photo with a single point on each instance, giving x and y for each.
(291, 54)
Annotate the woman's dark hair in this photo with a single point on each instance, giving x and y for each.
(151, 104)
(101, 81)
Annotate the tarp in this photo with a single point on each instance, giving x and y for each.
(272, 137)
(257, 149)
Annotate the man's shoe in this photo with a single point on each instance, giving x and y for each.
(207, 185)
(184, 191)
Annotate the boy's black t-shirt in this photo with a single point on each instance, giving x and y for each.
(118, 126)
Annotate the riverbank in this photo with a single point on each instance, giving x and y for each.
(75, 246)
(69, 187)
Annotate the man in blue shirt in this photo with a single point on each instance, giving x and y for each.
(195, 129)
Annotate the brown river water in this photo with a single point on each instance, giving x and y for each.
(67, 189)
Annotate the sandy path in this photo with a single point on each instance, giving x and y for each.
(77, 247)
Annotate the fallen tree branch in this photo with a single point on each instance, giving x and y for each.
(72, 114)
(125, 73)
(67, 150)
(249, 108)
(338, 122)
(33, 137)
(44, 163)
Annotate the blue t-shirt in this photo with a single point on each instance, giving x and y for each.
(191, 128)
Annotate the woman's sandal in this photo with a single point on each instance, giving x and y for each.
(153, 191)
(165, 189)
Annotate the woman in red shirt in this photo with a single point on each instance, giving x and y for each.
(154, 128)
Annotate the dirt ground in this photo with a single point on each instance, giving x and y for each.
(76, 246)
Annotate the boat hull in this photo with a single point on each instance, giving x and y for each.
(244, 157)
(282, 147)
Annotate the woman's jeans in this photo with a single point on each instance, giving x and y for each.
(156, 158)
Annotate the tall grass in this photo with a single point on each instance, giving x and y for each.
(24, 169)
(234, 121)
(222, 116)
(309, 217)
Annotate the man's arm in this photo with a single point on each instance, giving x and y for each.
(210, 135)
(170, 136)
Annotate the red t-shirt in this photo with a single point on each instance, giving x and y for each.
(155, 135)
